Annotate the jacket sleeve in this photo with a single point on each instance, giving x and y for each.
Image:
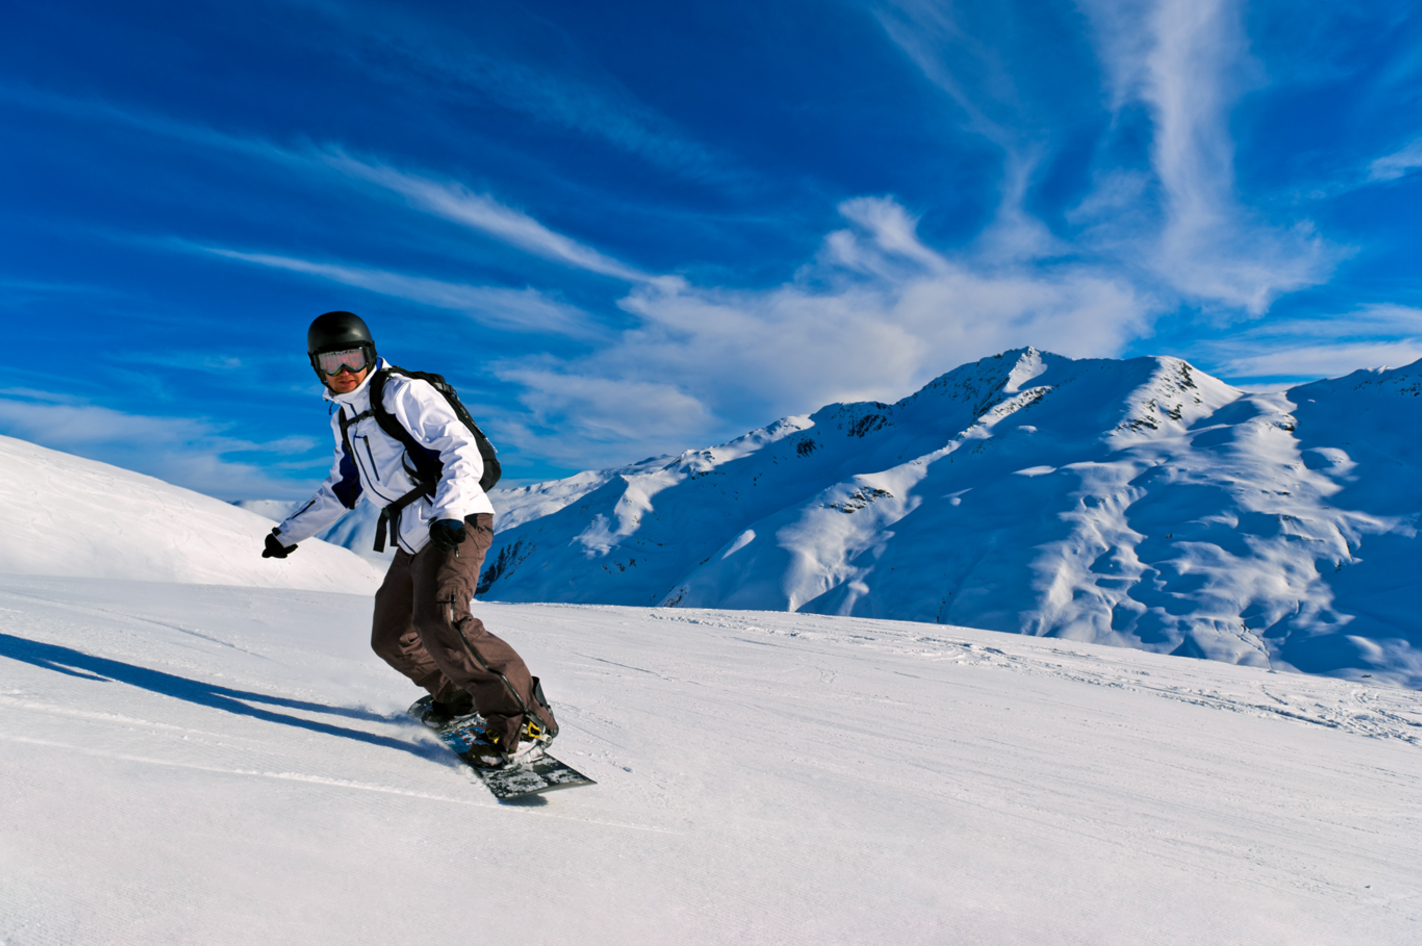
(425, 413)
(335, 497)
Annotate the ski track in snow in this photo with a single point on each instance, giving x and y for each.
(344, 783)
(1377, 712)
(224, 765)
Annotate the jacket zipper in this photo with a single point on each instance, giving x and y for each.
(371, 477)
(374, 471)
(374, 478)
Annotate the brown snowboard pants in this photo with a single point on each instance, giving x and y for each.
(424, 629)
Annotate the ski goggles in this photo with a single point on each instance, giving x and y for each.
(332, 363)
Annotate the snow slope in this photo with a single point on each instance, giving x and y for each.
(1139, 503)
(217, 765)
(64, 515)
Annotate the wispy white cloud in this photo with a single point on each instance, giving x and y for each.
(596, 106)
(966, 52)
(185, 451)
(1323, 346)
(1211, 248)
(447, 199)
(34, 287)
(876, 315)
(966, 67)
(1390, 167)
(437, 58)
(598, 417)
(1188, 61)
(1322, 361)
(408, 53)
(1369, 321)
(519, 310)
(877, 312)
(147, 121)
(453, 201)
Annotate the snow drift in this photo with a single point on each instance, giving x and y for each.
(1137, 502)
(67, 516)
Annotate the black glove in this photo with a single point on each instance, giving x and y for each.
(274, 547)
(446, 534)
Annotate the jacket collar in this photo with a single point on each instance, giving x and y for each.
(359, 399)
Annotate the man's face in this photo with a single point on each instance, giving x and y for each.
(349, 364)
(346, 380)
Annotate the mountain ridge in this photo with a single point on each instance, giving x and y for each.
(1137, 502)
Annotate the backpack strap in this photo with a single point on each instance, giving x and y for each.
(391, 524)
(346, 424)
(427, 462)
(427, 468)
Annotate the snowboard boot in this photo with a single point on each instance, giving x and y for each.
(517, 739)
(483, 750)
(533, 732)
(542, 717)
(437, 715)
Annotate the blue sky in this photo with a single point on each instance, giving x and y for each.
(629, 228)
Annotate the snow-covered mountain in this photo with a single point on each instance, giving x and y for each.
(1134, 502)
(67, 516)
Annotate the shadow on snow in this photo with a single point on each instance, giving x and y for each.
(102, 669)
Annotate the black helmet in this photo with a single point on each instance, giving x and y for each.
(338, 331)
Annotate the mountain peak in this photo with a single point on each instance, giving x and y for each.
(1139, 502)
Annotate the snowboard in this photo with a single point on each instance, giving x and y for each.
(519, 778)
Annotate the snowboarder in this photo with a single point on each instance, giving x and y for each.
(422, 624)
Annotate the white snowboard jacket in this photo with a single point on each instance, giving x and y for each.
(375, 465)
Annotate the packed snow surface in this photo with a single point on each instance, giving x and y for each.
(194, 764)
(64, 515)
(1140, 503)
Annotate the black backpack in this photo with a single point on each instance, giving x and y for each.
(428, 466)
